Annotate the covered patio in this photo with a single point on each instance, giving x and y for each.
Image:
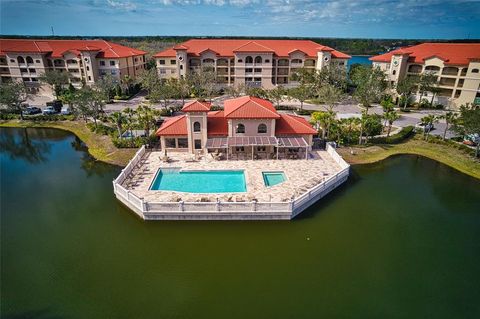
(257, 147)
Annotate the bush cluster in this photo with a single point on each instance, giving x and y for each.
(135, 142)
(101, 129)
(438, 140)
(405, 133)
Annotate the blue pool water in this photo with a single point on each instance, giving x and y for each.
(273, 178)
(200, 181)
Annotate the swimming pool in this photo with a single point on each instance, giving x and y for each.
(273, 178)
(218, 181)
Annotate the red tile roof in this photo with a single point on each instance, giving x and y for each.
(196, 106)
(217, 124)
(57, 48)
(227, 47)
(293, 125)
(176, 125)
(450, 53)
(249, 107)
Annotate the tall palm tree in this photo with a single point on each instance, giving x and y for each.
(450, 118)
(130, 119)
(118, 119)
(428, 121)
(390, 117)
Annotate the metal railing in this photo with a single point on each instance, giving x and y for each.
(291, 208)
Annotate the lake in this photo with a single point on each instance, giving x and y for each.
(359, 59)
(400, 239)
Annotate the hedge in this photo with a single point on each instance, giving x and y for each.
(135, 142)
(405, 133)
(38, 118)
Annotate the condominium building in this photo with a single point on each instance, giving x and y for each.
(456, 65)
(259, 63)
(85, 60)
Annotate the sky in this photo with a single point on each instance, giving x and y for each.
(416, 19)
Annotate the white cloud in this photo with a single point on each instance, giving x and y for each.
(122, 5)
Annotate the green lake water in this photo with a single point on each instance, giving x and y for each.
(401, 239)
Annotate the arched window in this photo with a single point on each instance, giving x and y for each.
(432, 68)
(29, 59)
(20, 59)
(475, 71)
(208, 61)
(196, 127)
(298, 61)
(240, 129)
(258, 59)
(262, 128)
(248, 59)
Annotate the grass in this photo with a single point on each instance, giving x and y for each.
(99, 146)
(445, 154)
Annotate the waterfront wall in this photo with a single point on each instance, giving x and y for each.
(227, 210)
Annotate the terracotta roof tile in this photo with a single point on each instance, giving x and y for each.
(450, 53)
(196, 106)
(176, 125)
(227, 47)
(217, 124)
(249, 107)
(57, 48)
(293, 125)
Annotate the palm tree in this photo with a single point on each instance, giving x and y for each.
(451, 118)
(428, 121)
(130, 120)
(323, 120)
(118, 119)
(390, 117)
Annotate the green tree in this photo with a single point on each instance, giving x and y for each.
(119, 120)
(323, 120)
(370, 86)
(276, 95)
(180, 88)
(149, 80)
(56, 79)
(203, 82)
(451, 119)
(468, 123)
(89, 103)
(427, 83)
(330, 95)
(405, 88)
(371, 124)
(428, 122)
(12, 96)
(146, 118)
(107, 84)
(300, 93)
(256, 92)
(163, 91)
(235, 90)
(130, 119)
(390, 116)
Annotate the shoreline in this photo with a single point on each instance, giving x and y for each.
(99, 147)
(102, 149)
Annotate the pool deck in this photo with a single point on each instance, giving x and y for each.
(300, 176)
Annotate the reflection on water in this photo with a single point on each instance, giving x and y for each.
(89, 164)
(23, 143)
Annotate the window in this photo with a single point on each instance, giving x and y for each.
(240, 129)
(32, 70)
(136, 59)
(248, 70)
(182, 142)
(26, 79)
(257, 79)
(23, 70)
(161, 62)
(196, 127)
(262, 128)
(208, 61)
(240, 149)
(475, 71)
(20, 59)
(261, 148)
(248, 59)
(89, 78)
(173, 61)
(258, 59)
(34, 80)
(170, 143)
(163, 71)
(394, 72)
(114, 72)
(258, 70)
(240, 60)
(88, 68)
(29, 59)
(71, 61)
(103, 72)
(267, 61)
(102, 63)
(181, 66)
(296, 61)
(112, 63)
(198, 144)
(12, 60)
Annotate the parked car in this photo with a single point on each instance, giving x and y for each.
(471, 140)
(49, 110)
(424, 127)
(56, 104)
(66, 110)
(30, 110)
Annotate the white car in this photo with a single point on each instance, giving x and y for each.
(49, 110)
(424, 127)
(66, 110)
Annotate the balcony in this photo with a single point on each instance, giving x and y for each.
(447, 82)
(450, 71)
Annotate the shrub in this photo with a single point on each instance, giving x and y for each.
(405, 133)
(101, 129)
(49, 118)
(135, 142)
(9, 116)
(438, 140)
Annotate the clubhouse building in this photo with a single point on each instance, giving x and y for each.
(84, 60)
(247, 128)
(456, 65)
(252, 62)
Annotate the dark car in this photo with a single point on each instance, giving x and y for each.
(31, 110)
(56, 104)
